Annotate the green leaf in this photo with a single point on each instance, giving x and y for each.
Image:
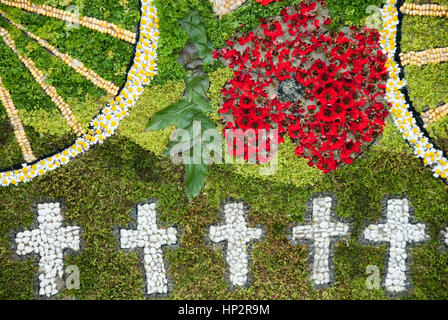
(199, 84)
(202, 102)
(205, 52)
(197, 34)
(206, 122)
(188, 116)
(168, 116)
(183, 145)
(195, 176)
(189, 142)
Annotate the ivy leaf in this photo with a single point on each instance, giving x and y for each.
(168, 116)
(202, 102)
(195, 176)
(205, 52)
(197, 34)
(188, 116)
(189, 136)
(206, 122)
(199, 84)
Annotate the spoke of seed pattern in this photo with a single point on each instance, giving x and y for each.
(75, 64)
(49, 90)
(88, 22)
(433, 10)
(434, 115)
(419, 58)
(222, 7)
(16, 123)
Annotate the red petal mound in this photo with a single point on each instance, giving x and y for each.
(265, 2)
(326, 91)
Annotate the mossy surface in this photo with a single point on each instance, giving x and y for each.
(428, 85)
(152, 100)
(100, 187)
(291, 169)
(352, 12)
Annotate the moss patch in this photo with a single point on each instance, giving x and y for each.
(100, 187)
(152, 100)
(291, 169)
(428, 85)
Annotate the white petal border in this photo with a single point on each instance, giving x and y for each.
(143, 69)
(402, 112)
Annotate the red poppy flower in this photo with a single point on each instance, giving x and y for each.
(347, 101)
(324, 90)
(265, 2)
(319, 66)
(274, 31)
(325, 77)
(246, 101)
(327, 114)
(373, 38)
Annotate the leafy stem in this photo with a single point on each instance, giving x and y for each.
(190, 115)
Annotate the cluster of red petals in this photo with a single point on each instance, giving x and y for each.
(342, 107)
(265, 2)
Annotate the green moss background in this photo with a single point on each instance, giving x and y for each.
(99, 189)
(151, 101)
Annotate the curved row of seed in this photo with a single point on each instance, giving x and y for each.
(106, 123)
(75, 64)
(419, 58)
(434, 115)
(49, 90)
(222, 7)
(433, 10)
(16, 123)
(401, 110)
(88, 22)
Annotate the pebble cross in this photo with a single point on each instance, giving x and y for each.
(238, 236)
(398, 232)
(445, 237)
(320, 235)
(49, 241)
(148, 237)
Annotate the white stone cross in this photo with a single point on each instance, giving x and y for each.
(151, 239)
(398, 232)
(238, 236)
(320, 235)
(445, 237)
(49, 241)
